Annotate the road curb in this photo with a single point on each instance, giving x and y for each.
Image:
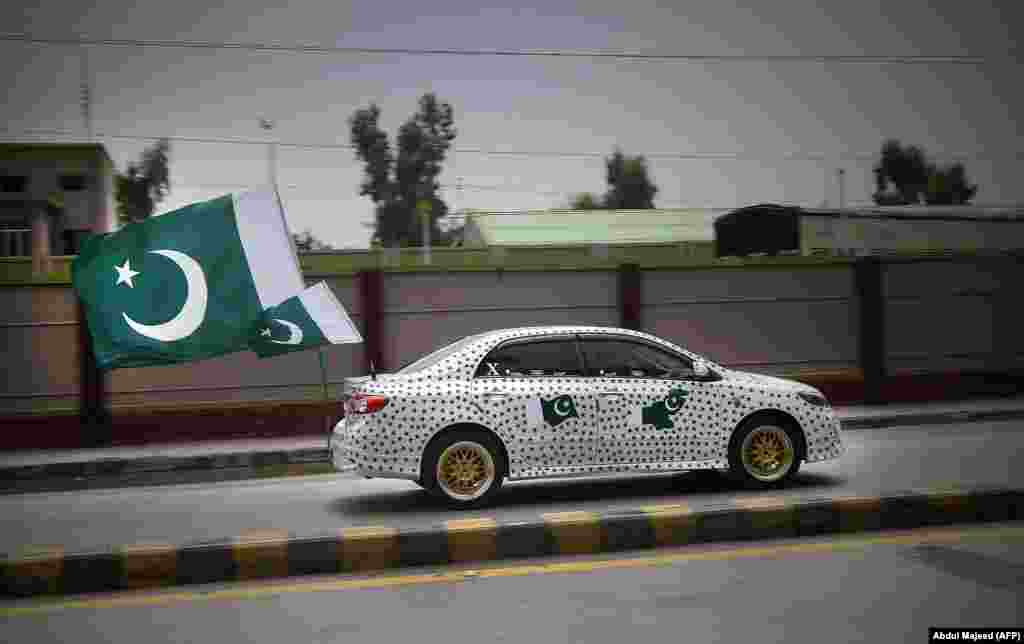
(113, 467)
(936, 418)
(278, 554)
(124, 466)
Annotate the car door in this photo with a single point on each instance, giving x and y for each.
(650, 405)
(534, 393)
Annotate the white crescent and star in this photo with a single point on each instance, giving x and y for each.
(563, 407)
(294, 332)
(125, 274)
(676, 398)
(192, 312)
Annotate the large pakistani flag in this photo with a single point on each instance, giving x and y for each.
(186, 285)
(310, 319)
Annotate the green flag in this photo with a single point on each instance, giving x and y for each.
(658, 412)
(186, 285)
(553, 412)
(310, 319)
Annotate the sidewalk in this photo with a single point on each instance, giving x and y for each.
(264, 452)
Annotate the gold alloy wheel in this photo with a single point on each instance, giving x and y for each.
(465, 470)
(767, 453)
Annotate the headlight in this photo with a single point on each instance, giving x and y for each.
(814, 399)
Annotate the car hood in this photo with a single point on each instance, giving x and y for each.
(774, 382)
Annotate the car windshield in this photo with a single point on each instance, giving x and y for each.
(431, 359)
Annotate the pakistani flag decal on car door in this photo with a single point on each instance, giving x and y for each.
(657, 413)
(553, 412)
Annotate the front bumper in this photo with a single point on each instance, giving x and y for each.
(826, 443)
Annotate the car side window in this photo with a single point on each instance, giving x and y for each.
(532, 359)
(625, 359)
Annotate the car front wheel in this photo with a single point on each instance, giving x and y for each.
(763, 454)
(464, 468)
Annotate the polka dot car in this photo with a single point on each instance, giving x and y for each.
(552, 401)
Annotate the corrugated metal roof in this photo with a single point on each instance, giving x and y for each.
(536, 227)
(979, 213)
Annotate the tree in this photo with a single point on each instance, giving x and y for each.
(949, 186)
(144, 185)
(306, 242)
(903, 176)
(585, 201)
(629, 185)
(405, 185)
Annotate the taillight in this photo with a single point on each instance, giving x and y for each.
(365, 403)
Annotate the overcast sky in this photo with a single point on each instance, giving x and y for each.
(760, 111)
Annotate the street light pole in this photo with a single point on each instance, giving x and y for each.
(268, 126)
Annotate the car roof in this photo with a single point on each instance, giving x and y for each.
(497, 336)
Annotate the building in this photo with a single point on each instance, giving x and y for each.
(772, 229)
(51, 196)
(588, 227)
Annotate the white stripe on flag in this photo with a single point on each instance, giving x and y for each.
(636, 417)
(534, 413)
(267, 245)
(328, 314)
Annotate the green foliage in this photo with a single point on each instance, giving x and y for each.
(949, 186)
(903, 176)
(397, 183)
(629, 185)
(585, 201)
(144, 185)
(306, 242)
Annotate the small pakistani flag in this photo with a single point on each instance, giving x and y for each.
(553, 412)
(658, 413)
(186, 285)
(310, 319)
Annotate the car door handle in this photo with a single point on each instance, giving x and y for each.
(612, 394)
(494, 395)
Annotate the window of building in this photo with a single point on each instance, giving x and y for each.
(71, 242)
(557, 357)
(72, 182)
(13, 183)
(15, 242)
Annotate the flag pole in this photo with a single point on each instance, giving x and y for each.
(320, 350)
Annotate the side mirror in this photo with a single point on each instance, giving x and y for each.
(700, 370)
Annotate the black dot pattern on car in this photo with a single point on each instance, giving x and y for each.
(555, 419)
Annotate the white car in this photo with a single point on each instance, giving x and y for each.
(554, 401)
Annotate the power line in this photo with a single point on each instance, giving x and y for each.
(958, 59)
(533, 154)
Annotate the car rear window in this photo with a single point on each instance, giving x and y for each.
(432, 359)
(548, 357)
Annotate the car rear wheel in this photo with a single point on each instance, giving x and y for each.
(764, 454)
(464, 468)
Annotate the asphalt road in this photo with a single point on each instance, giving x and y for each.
(883, 587)
(876, 461)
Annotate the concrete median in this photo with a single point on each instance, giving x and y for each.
(279, 554)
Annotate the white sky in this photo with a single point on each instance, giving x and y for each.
(755, 109)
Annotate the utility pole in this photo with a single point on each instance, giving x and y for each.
(423, 209)
(268, 126)
(86, 94)
(841, 176)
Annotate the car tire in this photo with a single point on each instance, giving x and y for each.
(464, 468)
(764, 453)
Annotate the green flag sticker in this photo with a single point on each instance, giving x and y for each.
(554, 412)
(658, 413)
